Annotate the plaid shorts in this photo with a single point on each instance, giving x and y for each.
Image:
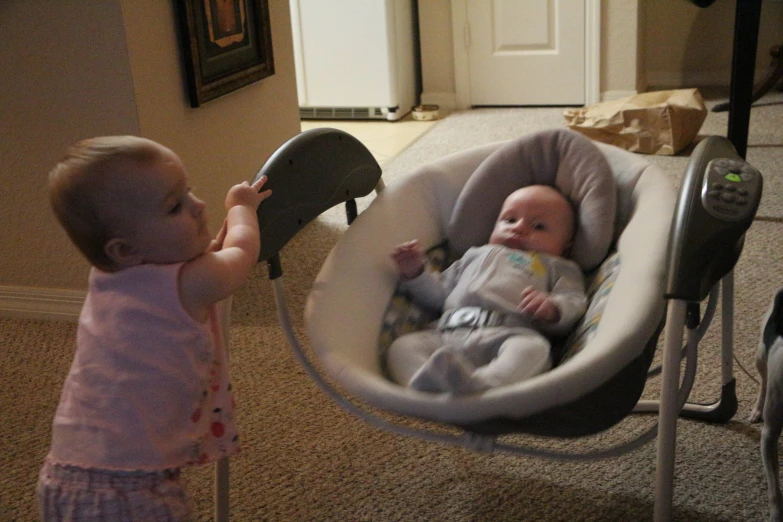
(68, 493)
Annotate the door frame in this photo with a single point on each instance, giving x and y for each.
(459, 20)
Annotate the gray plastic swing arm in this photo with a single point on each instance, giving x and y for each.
(309, 174)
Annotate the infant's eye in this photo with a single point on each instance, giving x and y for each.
(539, 226)
(510, 220)
(176, 209)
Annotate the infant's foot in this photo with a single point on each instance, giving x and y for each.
(445, 371)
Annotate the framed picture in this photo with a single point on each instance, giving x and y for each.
(226, 44)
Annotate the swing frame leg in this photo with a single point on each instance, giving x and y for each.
(222, 465)
(221, 490)
(669, 411)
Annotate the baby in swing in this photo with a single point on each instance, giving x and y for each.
(501, 301)
(149, 390)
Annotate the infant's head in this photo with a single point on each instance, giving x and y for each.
(535, 218)
(125, 201)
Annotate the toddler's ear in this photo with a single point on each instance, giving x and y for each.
(121, 252)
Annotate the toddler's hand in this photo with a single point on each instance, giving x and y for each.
(410, 260)
(247, 194)
(538, 305)
(217, 243)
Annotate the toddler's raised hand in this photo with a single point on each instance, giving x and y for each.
(410, 259)
(247, 194)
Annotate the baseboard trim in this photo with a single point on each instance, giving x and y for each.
(447, 101)
(616, 95)
(687, 79)
(41, 303)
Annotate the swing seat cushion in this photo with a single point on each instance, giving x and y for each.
(563, 159)
(351, 296)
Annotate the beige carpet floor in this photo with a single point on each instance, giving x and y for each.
(306, 459)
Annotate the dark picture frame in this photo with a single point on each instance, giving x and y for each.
(226, 44)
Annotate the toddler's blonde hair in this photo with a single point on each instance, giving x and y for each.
(86, 180)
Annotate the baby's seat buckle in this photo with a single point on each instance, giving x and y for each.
(469, 317)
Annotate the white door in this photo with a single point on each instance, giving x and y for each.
(526, 52)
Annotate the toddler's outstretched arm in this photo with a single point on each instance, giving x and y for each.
(221, 270)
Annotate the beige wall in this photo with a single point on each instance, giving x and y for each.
(661, 43)
(689, 46)
(437, 48)
(64, 76)
(76, 69)
(620, 45)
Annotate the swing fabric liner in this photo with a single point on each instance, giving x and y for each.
(623, 204)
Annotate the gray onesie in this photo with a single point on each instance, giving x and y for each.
(482, 341)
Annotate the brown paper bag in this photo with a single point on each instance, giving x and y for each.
(660, 122)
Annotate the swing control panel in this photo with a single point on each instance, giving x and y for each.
(731, 189)
(718, 200)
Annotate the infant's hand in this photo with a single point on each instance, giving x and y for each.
(410, 260)
(538, 305)
(247, 194)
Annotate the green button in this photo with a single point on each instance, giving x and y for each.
(733, 177)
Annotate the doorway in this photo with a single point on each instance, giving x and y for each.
(526, 52)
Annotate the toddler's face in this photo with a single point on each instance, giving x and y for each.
(535, 218)
(159, 215)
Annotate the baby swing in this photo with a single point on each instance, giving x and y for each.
(665, 248)
(671, 251)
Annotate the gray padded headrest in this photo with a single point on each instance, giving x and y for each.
(558, 157)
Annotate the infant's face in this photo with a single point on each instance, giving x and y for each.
(160, 216)
(537, 219)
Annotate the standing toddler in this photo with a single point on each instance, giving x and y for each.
(148, 392)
